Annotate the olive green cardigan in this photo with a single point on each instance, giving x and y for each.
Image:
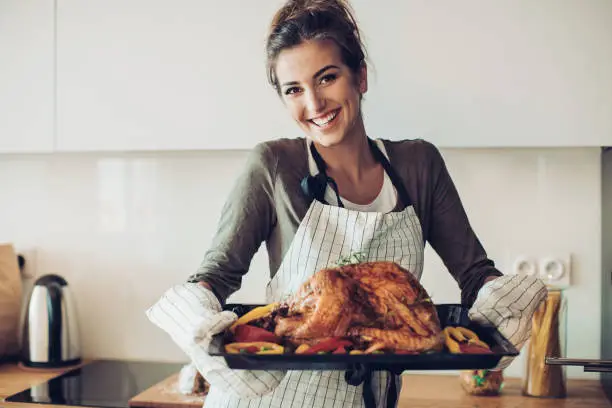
(267, 204)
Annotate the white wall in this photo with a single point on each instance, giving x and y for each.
(123, 228)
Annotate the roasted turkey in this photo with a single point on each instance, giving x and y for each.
(375, 303)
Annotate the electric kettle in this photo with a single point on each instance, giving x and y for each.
(50, 336)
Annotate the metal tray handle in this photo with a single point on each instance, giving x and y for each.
(590, 366)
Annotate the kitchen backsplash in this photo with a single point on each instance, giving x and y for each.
(122, 228)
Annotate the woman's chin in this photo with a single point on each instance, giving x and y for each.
(327, 140)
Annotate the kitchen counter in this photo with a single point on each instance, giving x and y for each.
(419, 391)
(15, 378)
(438, 391)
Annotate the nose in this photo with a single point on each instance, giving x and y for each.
(315, 103)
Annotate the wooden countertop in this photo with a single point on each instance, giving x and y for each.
(437, 391)
(419, 391)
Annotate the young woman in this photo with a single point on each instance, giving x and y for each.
(313, 200)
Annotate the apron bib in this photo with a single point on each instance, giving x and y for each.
(329, 234)
(326, 235)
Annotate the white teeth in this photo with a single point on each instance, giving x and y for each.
(325, 119)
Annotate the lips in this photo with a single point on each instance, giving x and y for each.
(326, 120)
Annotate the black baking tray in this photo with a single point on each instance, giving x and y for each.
(449, 315)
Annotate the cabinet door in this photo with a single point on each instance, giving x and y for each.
(189, 74)
(164, 75)
(26, 75)
(490, 73)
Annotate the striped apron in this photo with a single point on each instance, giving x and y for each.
(326, 235)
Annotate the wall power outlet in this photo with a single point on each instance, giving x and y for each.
(554, 269)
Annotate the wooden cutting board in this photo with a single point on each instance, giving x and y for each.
(166, 394)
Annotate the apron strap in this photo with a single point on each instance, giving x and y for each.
(359, 374)
(392, 392)
(368, 394)
(315, 186)
(395, 178)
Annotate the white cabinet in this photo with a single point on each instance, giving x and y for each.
(189, 74)
(26, 76)
(479, 73)
(163, 75)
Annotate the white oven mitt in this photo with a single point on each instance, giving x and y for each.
(192, 315)
(508, 303)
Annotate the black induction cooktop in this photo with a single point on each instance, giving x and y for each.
(102, 383)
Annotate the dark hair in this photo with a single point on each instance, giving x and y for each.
(303, 20)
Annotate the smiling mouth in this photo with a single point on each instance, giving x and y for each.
(327, 120)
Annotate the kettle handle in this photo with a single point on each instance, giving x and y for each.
(55, 322)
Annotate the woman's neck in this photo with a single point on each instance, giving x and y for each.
(349, 160)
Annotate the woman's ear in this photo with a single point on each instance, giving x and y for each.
(363, 79)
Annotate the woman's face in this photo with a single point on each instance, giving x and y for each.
(321, 93)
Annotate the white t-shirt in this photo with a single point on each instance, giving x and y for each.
(384, 202)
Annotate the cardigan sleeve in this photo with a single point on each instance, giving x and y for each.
(247, 219)
(450, 233)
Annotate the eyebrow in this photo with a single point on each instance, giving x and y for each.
(317, 74)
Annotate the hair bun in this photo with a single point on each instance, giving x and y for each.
(294, 9)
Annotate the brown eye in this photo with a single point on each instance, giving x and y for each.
(292, 90)
(328, 78)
